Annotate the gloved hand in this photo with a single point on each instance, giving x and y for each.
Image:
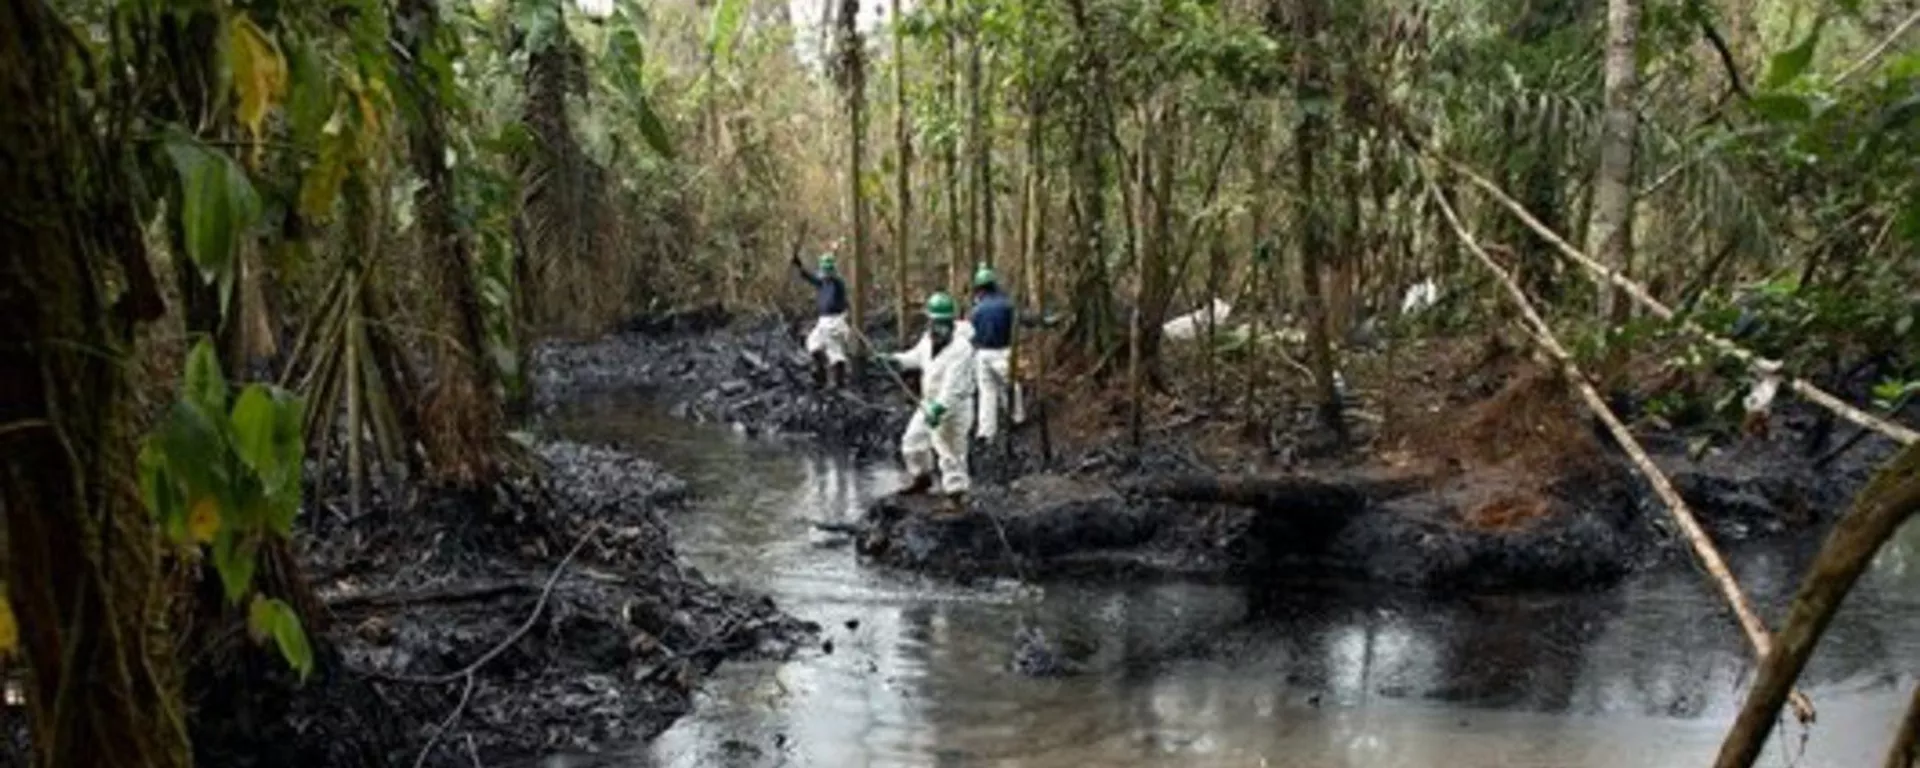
(935, 412)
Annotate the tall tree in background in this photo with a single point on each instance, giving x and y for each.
(1309, 140)
(461, 414)
(1610, 229)
(903, 169)
(1092, 327)
(82, 560)
(980, 142)
(853, 86)
(950, 153)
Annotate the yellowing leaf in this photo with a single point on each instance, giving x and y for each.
(320, 187)
(259, 73)
(204, 521)
(9, 629)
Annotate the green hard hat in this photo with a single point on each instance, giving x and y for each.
(940, 306)
(826, 262)
(983, 276)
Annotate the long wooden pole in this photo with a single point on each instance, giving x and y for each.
(1760, 365)
(1703, 547)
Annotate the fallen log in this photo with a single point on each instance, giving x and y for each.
(1703, 548)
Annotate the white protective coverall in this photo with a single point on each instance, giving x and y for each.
(946, 378)
(829, 336)
(991, 371)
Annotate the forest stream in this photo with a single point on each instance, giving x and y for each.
(915, 672)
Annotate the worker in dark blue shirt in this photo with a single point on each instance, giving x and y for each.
(830, 338)
(991, 322)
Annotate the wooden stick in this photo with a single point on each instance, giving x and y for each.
(1759, 365)
(1878, 50)
(1703, 547)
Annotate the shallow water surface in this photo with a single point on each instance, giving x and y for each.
(1648, 673)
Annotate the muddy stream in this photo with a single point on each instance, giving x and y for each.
(1648, 673)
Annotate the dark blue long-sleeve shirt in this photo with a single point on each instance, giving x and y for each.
(992, 320)
(829, 293)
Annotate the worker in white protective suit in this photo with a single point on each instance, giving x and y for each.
(991, 323)
(939, 428)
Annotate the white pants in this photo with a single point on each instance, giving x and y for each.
(921, 444)
(829, 336)
(991, 377)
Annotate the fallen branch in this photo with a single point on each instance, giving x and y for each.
(1889, 500)
(540, 606)
(1878, 50)
(1703, 547)
(1762, 366)
(466, 695)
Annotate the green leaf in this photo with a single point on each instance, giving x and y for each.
(289, 434)
(1786, 66)
(727, 17)
(1781, 107)
(254, 420)
(205, 385)
(160, 493)
(651, 128)
(217, 203)
(541, 23)
(194, 450)
(311, 99)
(272, 617)
(234, 557)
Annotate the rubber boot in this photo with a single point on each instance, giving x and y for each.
(819, 370)
(921, 484)
(837, 376)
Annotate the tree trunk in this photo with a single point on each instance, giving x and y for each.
(982, 152)
(1610, 227)
(1091, 330)
(950, 157)
(1888, 501)
(854, 86)
(462, 412)
(976, 193)
(83, 570)
(903, 191)
(1309, 141)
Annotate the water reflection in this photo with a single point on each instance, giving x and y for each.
(1307, 673)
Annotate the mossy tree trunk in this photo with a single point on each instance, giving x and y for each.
(83, 563)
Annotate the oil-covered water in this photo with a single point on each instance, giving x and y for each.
(1646, 673)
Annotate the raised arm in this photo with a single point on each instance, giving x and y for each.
(811, 278)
